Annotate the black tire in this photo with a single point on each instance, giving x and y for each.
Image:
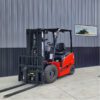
(72, 70)
(50, 73)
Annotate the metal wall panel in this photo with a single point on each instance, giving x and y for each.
(9, 60)
(17, 15)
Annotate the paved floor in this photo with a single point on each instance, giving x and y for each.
(83, 85)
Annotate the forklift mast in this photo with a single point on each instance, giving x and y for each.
(33, 60)
(34, 40)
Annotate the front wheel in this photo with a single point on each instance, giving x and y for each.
(50, 73)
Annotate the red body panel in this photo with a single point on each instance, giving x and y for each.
(65, 65)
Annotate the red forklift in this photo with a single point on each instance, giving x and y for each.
(46, 58)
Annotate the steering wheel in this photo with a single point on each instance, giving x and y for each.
(49, 43)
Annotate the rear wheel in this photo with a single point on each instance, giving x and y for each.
(72, 70)
(51, 73)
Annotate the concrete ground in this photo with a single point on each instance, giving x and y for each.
(83, 85)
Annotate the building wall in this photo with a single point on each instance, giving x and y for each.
(18, 15)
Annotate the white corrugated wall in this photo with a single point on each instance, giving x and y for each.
(18, 15)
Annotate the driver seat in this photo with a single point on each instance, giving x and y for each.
(60, 48)
(60, 51)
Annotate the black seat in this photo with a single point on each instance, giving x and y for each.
(60, 48)
(60, 51)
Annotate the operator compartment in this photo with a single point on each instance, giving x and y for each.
(62, 48)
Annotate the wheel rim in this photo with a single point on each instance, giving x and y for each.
(51, 74)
